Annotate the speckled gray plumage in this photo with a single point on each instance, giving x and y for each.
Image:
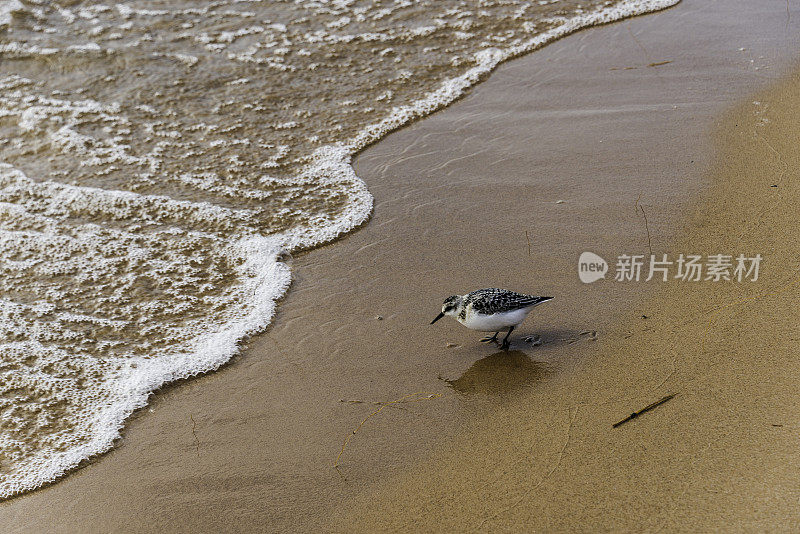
(492, 300)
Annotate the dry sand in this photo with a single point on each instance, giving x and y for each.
(518, 439)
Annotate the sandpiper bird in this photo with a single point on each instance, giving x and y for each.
(490, 310)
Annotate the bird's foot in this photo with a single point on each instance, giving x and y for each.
(506, 345)
(489, 339)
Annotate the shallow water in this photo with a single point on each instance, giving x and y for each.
(157, 159)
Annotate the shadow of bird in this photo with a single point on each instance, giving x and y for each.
(500, 374)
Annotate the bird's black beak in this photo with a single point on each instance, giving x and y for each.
(438, 317)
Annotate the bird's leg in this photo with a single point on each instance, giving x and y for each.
(506, 345)
(488, 339)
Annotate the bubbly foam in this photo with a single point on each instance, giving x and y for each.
(150, 184)
(6, 9)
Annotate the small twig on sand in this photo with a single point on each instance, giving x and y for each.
(788, 14)
(412, 397)
(647, 227)
(646, 223)
(659, 63)
(529, 242)
(379, 403)
(196, 441)
(635, 40)
(647, 408)
(344, 478)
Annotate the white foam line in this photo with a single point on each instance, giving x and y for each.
(269, 279)
(332, 164)
(489, 59)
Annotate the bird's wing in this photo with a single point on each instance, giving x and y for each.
(492, 300)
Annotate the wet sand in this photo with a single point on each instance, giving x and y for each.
(501, 441)
(722, 455)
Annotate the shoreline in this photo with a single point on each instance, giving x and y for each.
(262, 419)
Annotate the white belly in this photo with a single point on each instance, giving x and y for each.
(496, 322)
